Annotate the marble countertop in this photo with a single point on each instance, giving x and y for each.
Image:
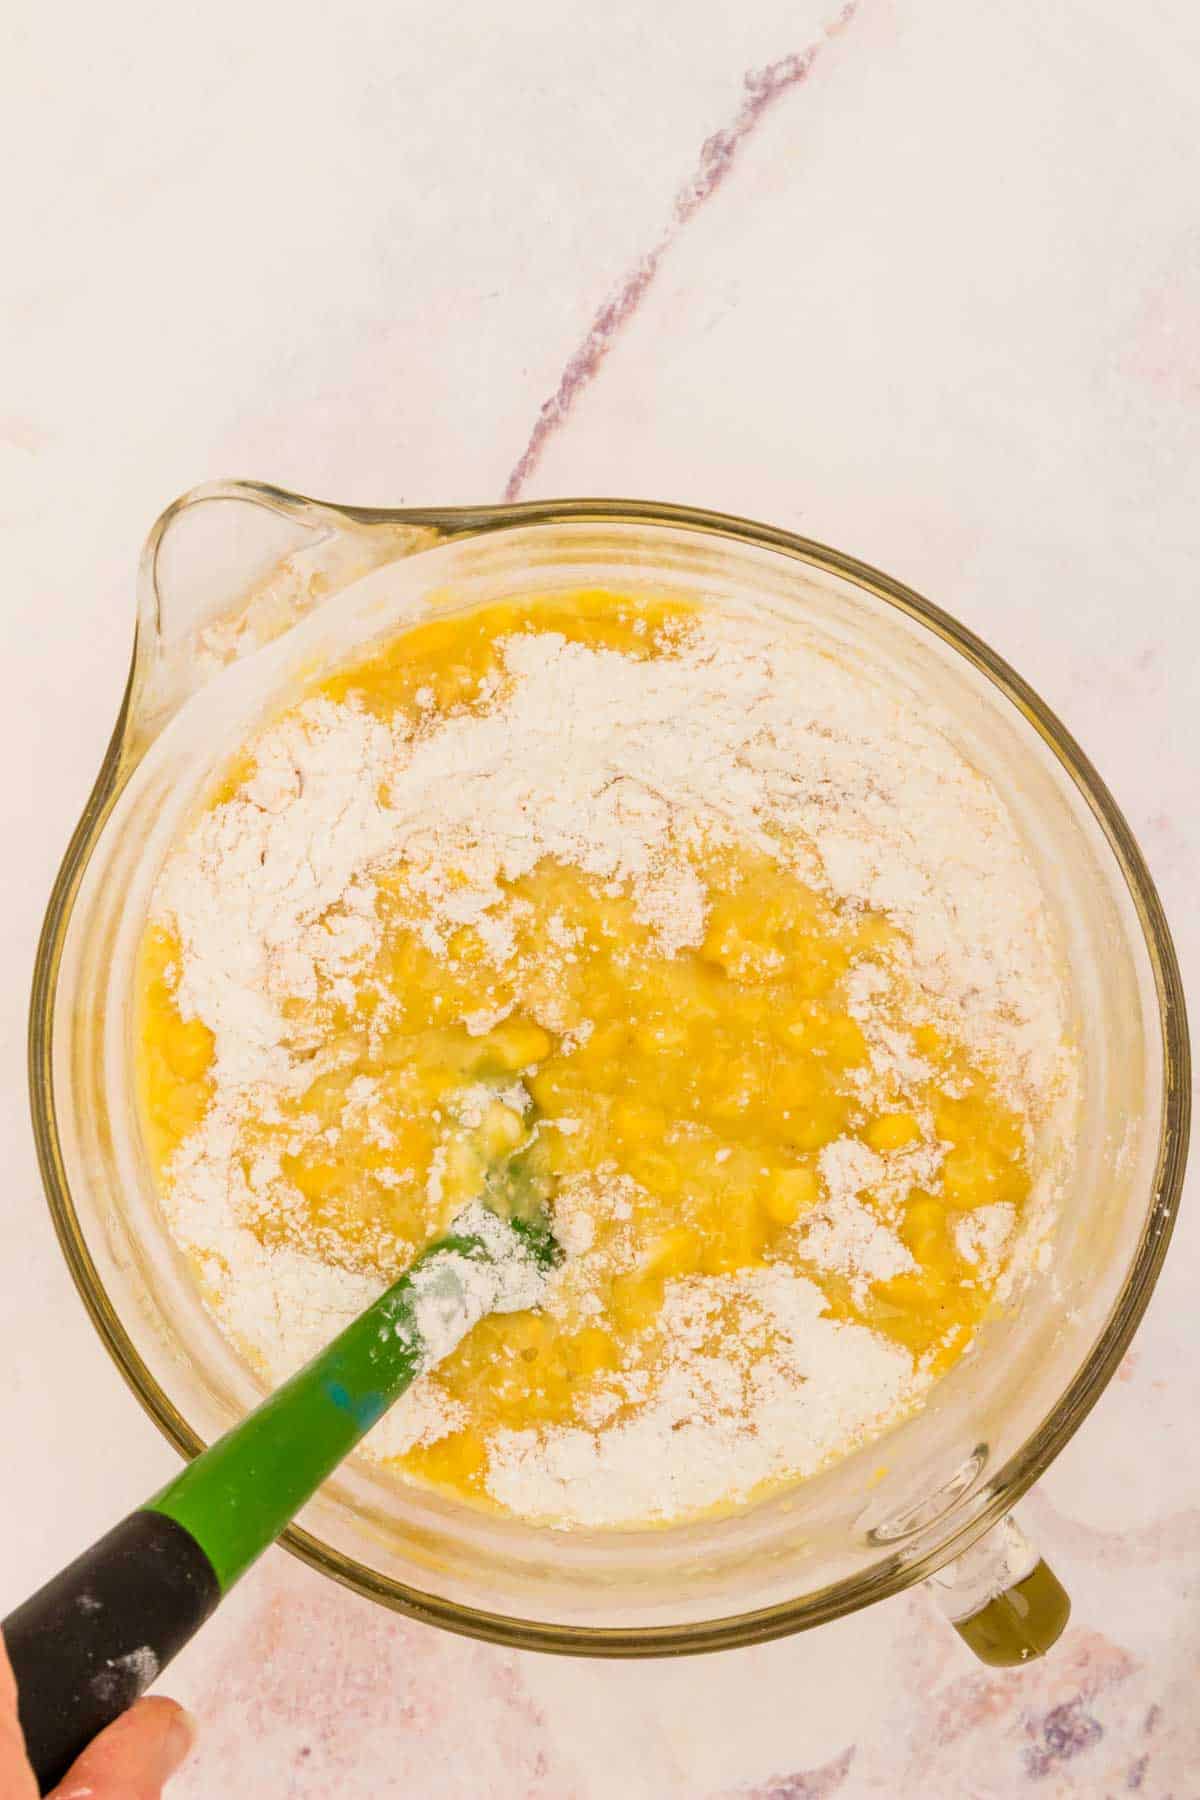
(917, 278)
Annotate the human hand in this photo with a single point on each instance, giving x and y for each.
(129, 1760)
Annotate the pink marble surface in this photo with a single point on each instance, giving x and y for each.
(917, 278)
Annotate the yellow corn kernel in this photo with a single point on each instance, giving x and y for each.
(892, 1131)
(743, 955)
(183, 1112)
(636, 1299)
(462, 1172)
(517, 1044)
(972, 1176)
(697, 1002)
(788, 1193)
(726, 1255)
(591, 1350)
(966, 1179)
(458, 1459)
(729, 1101)
(875, 933)
(658, 1173)
(923, 1215)
(813, 972)
(608, 1043)
(951, 1120)
(664, 1035)
(527, 1333)
(813, 1127)
(795, 1086)
(316, 1180)
(673, 1252)
(931, 1250)
(846, 1045)
(636, 1123)
(188, 1045)
(742, 1230)
(555, 1089)
(916, 1289)
(502, 1130)
(795, 1030)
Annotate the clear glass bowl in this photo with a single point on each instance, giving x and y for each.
(244, 587)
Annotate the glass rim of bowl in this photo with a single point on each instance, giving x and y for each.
(1023, 1467)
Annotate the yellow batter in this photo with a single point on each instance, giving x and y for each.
(712, 1079)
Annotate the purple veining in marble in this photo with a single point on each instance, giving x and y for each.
(808, 1784)
(763, 87)
(1031, 1728)
(1065, 1731)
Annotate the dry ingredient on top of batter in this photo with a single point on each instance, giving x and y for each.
(449, 1294)
(713, 813)
(757, 1387)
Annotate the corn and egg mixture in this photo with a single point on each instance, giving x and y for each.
(650, 898)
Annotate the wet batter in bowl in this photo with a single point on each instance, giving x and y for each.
(722, 931)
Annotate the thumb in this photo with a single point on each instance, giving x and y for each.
(132, 1757)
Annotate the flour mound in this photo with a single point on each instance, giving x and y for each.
(759, 1387)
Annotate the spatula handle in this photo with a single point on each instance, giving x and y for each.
(85, 1646)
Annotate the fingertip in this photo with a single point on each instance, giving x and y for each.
(136, 1754)
(176, 1726)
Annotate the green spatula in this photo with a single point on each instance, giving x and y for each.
(88, 1643)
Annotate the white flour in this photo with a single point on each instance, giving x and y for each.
(983, 1236)
(610, 764)
(453, 1291)
(758, 1387)
(617, 767)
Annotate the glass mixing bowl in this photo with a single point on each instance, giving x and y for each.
(242, 589)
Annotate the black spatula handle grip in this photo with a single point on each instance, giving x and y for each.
(85, 1646)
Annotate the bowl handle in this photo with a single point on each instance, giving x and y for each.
(1002, 1598)
(232, 565)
